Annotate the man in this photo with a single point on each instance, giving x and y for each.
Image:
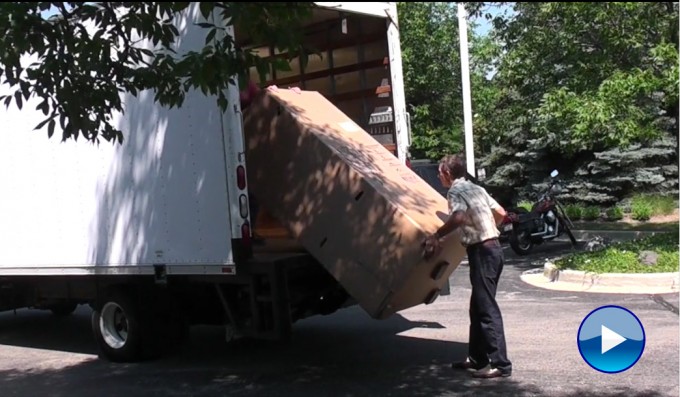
(476, 214)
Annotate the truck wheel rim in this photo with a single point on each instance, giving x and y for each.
(113, 324)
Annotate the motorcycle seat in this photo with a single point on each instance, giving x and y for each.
(528, 221)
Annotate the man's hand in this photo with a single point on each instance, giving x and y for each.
(430, 246)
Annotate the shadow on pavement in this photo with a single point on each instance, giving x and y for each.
(345, 354)
(348, 355)
(40, 329)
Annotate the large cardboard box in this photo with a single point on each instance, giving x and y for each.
(350, 202)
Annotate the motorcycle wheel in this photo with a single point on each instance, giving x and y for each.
(521, 243)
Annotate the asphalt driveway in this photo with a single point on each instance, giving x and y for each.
(349, 354)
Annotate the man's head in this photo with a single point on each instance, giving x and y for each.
(451, 167)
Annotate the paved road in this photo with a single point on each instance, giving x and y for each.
(349, 354)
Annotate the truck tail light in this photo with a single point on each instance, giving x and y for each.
(241, 177)
(245, 234)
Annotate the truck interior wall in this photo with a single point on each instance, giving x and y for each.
(349, 66)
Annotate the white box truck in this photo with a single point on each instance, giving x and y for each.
(155, 234)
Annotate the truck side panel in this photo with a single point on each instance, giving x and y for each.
(160, 198)
(402, 124)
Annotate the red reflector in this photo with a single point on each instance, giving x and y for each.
(241, 177)
(245, 233)
(408, 163)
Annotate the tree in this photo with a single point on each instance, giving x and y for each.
(432, 75)
(593, 72)
(580, 80)
(431, 61)
(486, 93)
(78, 60)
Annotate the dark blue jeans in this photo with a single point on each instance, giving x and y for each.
(487, 337)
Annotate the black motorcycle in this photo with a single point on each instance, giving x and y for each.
(546, 221)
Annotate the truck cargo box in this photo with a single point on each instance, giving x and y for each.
(350, 202)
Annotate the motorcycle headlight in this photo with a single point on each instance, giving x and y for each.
(556, 189)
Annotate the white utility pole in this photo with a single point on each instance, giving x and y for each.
(467, 102)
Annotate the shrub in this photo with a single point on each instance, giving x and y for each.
(614, 213)
(663, 205)
(658, 204)
(641, 211)
(574, 211)
(591, 213)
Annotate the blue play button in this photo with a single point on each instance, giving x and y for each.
(611, 339)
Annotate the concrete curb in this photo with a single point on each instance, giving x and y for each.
(655, 280)
(573, 280)
(616, 235)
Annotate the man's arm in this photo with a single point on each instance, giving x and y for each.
(458, 217)
(455, 220)
(498, 214)
(431, 242)
(496, 209)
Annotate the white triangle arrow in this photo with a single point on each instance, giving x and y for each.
(610, 339)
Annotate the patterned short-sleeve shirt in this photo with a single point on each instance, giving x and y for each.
(474, 200)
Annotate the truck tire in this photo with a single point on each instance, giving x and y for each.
(123, 331)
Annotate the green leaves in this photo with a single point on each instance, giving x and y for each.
(431, 58)
(574, 80)
(431, 61)
(79, 74)
(206, 9)
(619, 112)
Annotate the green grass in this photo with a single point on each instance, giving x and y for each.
(623, 257)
